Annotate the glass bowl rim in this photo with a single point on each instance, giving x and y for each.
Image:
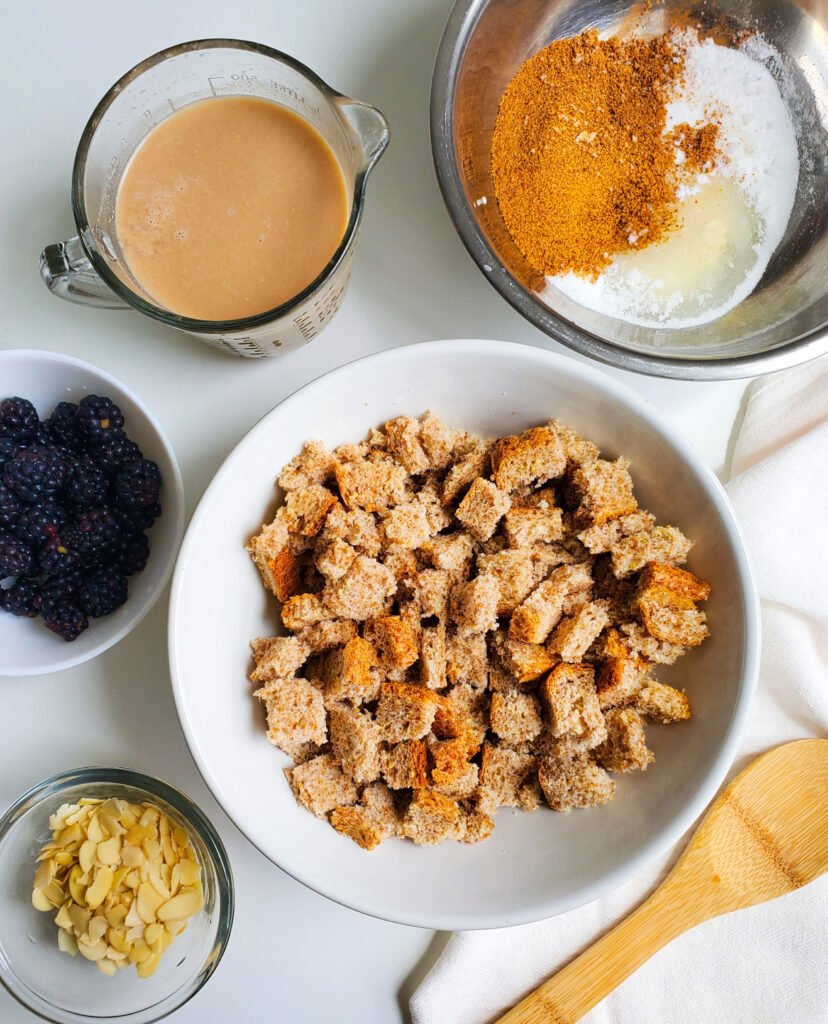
(201, 825)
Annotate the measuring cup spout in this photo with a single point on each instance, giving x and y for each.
(367, 127)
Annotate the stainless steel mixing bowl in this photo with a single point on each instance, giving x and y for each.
(784, 321)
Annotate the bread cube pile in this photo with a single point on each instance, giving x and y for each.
(472, 624)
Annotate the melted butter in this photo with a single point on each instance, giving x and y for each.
(699, 266)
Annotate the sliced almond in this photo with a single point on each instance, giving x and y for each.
(86, 856)
(39, 901)
(98, 890)
(67, 943)
(107, 967)
(109, 851)
(149, 902)
(92, 950)
(184, 904)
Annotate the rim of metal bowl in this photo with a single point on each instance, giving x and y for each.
(220, 864)
(456, 35)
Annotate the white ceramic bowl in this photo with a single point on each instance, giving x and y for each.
(534, 865)
(27, 648)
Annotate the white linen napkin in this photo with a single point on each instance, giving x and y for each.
(768, 963)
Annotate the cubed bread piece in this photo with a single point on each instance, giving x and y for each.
(640, 644)
(532, 457)
(402, 562)
(574, 635)
(663, 703)
(471, 708)
(516, 717)
(431, 591)
(526, 526)
(682, 584)
(433, 657)
(405, 765)
(664, 544)
(373, 820)
(672, 624)
(474, 605)
(576, 448)
(525, 662)
(461, 785)
(474, 463)
(357, 528)
(573, 779)
(275, 561)
(534, 619)
(604, 537)
(452, 553)
(515, 572)
(625, 748)
(322, 636)
(308, 508)
(277, 657)
(407, 525)
(296, 720)
(430, 496)
(346, 672)
(431, 817)
(618, 681)
(405, 712)
(467, 659)
(503, 771)
(334, 558)
(603, 490)
(313, 465)
(482, 508)
(437, 440)
(395, 640)
(568, 693)
(303, 610)
(449, 757)
(530, 794)
(372, 486)
(474, 826)
(403, 435)
(355, 741)
(320, 785)
(363, 592)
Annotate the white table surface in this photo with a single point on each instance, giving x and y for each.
(293, 955)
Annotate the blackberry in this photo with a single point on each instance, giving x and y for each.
(8, 446)
(137, 485)
(58, 589)
(35, 473)
(58, 556)
(61, 425)
(102, 592)
(138, 519)
(112, 455)
(86, 484)
(98, 420)
(37, 524)
(16, 557)
(66, 619)
(21, 598)
(18, 419)
(10, 506)
(94, 532)
(131, 553)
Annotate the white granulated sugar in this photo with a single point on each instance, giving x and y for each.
(733, 218)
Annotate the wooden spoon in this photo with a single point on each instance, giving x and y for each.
(766, 835)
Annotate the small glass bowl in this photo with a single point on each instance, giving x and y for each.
(70, 990)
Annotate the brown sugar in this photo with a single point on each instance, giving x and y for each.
(583, 168)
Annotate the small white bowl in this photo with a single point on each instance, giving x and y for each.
(534, 865)
(27, 648)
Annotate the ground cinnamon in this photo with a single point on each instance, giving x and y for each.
(582, 166)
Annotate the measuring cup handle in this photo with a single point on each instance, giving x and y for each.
(67, 273)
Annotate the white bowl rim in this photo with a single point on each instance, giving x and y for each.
(660, 842)
(176, 485)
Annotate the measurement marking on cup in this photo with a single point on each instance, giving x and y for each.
(306, 326)
(210, 80)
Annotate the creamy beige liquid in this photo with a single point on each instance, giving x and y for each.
(230, 207)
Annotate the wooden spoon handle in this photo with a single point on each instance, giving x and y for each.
(585, 981)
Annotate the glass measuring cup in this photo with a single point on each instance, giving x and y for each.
(90, 268)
